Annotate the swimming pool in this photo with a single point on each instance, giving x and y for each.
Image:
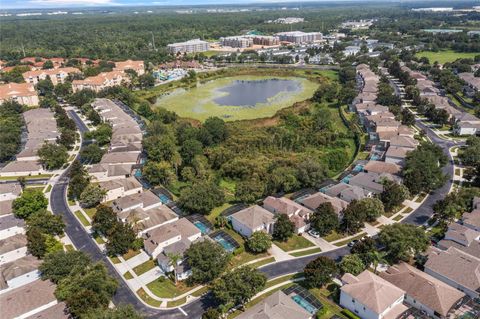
(225, 244)
(203, 228)
(374, 157)
(347, 178)
(358, 168)
(164, 198)
(304, 304)
(138, 173)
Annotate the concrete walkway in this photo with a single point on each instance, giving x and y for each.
(279, 254)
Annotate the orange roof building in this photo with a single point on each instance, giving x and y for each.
(56, 75)
(23, 93)
(101, 81)
(137, 66)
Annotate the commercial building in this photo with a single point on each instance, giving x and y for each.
(191, 46)
(299, 37)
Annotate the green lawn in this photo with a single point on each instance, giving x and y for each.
(82, 218)
(143, 268)
(420, 198)
(216, 212)
(200, 292)
(293, 243)
(177, 303)
(90, 211)
(344, 242)
(71, 202)
(128, 275)
(333, 236)
(49, 188)
(165, 288)
(281, 279)
(99, 240)
(131, 253)
(445, 56)
(152, 302)
(69, 247)
(115, 260)
(262, 262)
(14, 178)
(306, 252)
(398, 217)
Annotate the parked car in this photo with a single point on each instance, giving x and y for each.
(314, 233)
(353, 242)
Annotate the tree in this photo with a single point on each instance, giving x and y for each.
(92, 195)
(102, 134)
(324, 220)
(89, 289)
(190, 149)
(259, 242)
(363, 248)
(36, 242)
(45, 87)
(283, 228)
(92, 153)
(46, 222)
(207, 261)
(353, 218)
(60, 264)
(217, 129)
(104, 220)
(238, 286)
(52, 245)
(47, 65)
(372, 208)
(201, 197)
(52, 156)
(393, 195)
(211, 313)
(376, 257)
(158, 173)
(402, 241)
(248, 191)
(319, 271)
(120, 239)
(67, 138)
(146, 81)
(120, 312)
(310, 173)
(408, 118)
(352, 264)
(79, 180)
(31, 201)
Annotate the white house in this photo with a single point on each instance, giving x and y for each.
(252, 219)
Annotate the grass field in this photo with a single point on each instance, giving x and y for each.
(165, 288)
(293, 243)
(445, 56)
(198, 103)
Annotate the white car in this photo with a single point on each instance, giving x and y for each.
(314, 234)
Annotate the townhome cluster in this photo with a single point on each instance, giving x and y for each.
(464, 123)
(448, 286)
(160, 227)
(41, 127)
(19, 275)
(103, 80)
(472, 83)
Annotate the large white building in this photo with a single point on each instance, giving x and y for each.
(191, 46)
(299, 37)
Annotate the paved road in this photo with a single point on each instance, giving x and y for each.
(81, 239)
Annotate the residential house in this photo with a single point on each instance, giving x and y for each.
(404, 141)
(157, 239)
(466, 124)
(314, 200)
(276, 306)
(23, 93)
(145, 200)
(371, 297)
(297, 213)
(369, 182)
(33, 300)
(145, 220)
(397, 155)
(137, 66)
(19, 272)
(22, 168)
(101, 81)
(56, 75)
(423, 291)
(10, 191)
(456, 268)
(472, 219)
(347, 192)
(471, 80)
(252, 219)
(10, 226)
(120, 188)
(461, 234)
(13, 248)
(379, 167)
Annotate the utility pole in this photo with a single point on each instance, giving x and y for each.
(153, 41)
(23, 50)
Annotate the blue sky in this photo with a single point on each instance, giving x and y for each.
(4, 4)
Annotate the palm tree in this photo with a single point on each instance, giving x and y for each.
(376, 257)
(174, 258)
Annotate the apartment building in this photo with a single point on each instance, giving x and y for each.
(23, 93)
(101, 81)
(137, 66)
(299, 37)
(56, 75)
(191, 46)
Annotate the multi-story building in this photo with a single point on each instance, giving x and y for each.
(265, 40)
(237, 42)
(23, 93)
(137, 66)
(191, 46)
(56, 75)
(299, 37)
(101, 81)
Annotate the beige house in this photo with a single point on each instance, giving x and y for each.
(423, 291)
(371, 297)
(137, 66)
(23, 93)
(297, 213)
(56, 75)
(314, 200)
(101, 81)
(252, 219)
(120, 188)
(276, 306)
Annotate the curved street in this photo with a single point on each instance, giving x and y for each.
(83, 241)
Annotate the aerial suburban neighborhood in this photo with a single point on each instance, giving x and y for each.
(240, 160)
